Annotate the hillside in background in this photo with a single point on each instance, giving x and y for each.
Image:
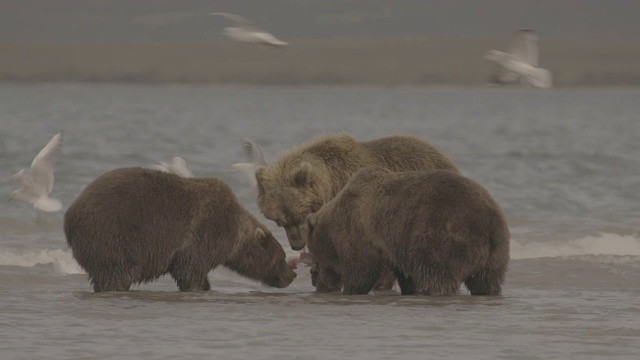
(400, 42)
(343, 62)
(65, 21)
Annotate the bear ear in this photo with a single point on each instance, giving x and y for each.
(302, 177)
(312, 219)
(261, 236)
(260, 176)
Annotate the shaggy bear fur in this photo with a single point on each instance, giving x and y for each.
(133, 225)
(436, 229)
(304, 178)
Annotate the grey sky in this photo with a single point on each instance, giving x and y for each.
(55, 21)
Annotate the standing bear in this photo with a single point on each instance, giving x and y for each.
(435, 229)
(304, 178)
(133, 225)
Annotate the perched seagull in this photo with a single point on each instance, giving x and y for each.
(178, 166)
(256, 158)
(520, 62)
(245, 31)
(36, 186)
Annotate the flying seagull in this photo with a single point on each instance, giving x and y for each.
(177, 166)
(245, 31)
(520, 62)
(34, 187)
(255, 158)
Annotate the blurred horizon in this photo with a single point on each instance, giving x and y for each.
(412, 42)
(68, 21)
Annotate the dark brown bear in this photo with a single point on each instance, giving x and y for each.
(305, 177)
(436, 229)
(133, 225)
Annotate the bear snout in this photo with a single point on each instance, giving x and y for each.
(287, 279)
(294, 235)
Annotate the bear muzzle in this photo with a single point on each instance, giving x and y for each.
(285, 280)
(296, 240)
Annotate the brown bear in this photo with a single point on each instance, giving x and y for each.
(304, 178)
(435, 229)
(133, 225)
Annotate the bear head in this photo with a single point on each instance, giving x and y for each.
(261, 257)
(288, 198)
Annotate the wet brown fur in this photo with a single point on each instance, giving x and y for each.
(133, 225)
(305, 177)
(436, 229)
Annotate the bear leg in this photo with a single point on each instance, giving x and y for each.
(449, 288)
(405, 282)
(359, 278)
(110, 283)
(188, 277)
(489, 279)
(191, 282)
(485, 282)
(325, 279)
(112, 274)
(386, 281)
(437, 283)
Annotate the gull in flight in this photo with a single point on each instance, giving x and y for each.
(34, 187)
(520, 62)
(245, 31)
(256, 158)
(177, 166)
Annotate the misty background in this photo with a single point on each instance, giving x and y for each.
(415, 42)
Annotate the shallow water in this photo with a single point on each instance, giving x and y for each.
(564, 164)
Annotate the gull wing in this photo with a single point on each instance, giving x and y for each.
(248, 171)
(254, 152)
(160, 166)
(269, 39)
(524, 46)
(502, 76)
(239, 20)
(20, 177)
(25, 191)
(42, 165)
(233, 17)
(179, 167)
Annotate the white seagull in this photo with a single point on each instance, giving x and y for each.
(245, 31)
(36, 185)
(177, 166)
(256, 158)
(520, 62)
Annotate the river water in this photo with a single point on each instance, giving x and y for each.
(563, 163)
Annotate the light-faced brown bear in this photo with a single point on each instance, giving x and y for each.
(304, 178)
(435, 229)
(133, 225)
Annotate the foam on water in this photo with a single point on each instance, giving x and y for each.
(61, 260)
(603, 246)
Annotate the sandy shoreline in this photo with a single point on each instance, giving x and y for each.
(388, 62)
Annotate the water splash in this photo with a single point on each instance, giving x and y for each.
(601, 248)
(606, 245)
(61, 260)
